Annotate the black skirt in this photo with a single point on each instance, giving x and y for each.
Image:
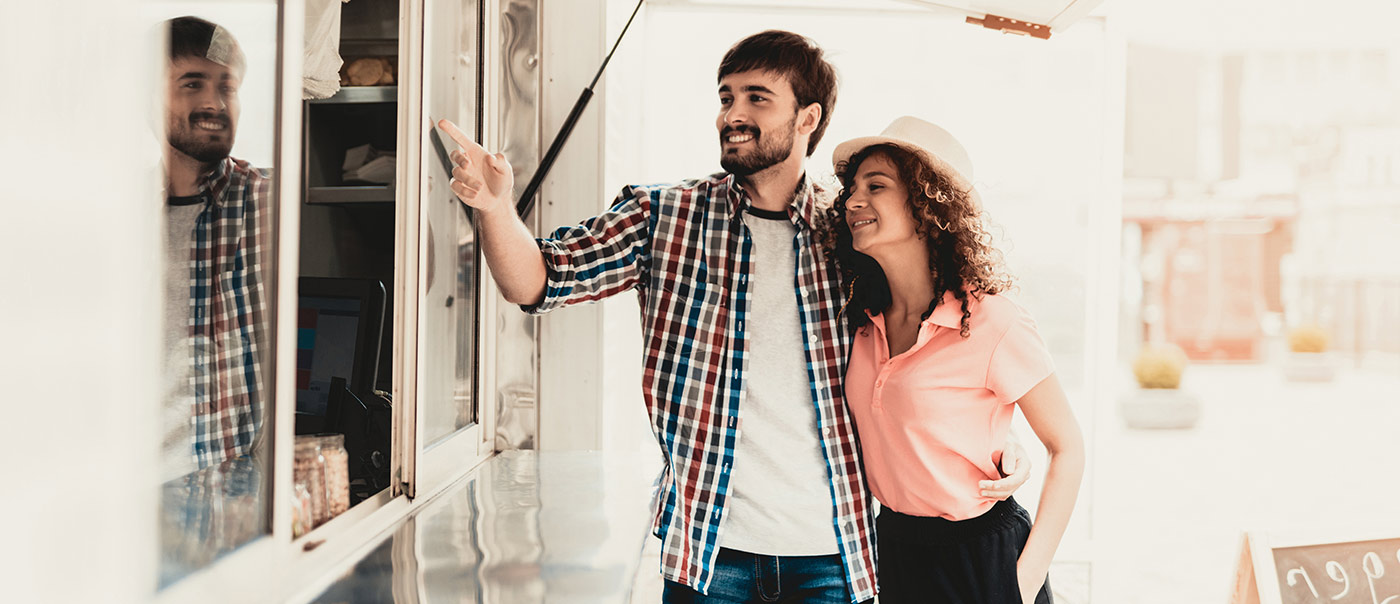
(938, 560)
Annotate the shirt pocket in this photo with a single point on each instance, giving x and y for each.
(687, 311)
(705, 288)
(689, 290)
(232, 319)
(702, 311)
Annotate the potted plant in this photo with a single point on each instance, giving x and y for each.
(1308, 360)
(1158, 402)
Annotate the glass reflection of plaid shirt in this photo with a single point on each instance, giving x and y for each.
(229, 255)
(685, 251)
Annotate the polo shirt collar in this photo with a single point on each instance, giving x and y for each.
(947, 314)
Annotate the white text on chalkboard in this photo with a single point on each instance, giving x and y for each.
(1371, 565)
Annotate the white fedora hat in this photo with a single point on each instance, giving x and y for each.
(934, 144)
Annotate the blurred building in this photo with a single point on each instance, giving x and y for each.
(1261, 190)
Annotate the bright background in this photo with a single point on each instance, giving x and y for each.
(1209, 174)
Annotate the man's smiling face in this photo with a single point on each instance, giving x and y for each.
(201, 108)
(757, 121)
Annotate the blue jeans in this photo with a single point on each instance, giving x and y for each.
(744, 577)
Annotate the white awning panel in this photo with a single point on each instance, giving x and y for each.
(1038, 18)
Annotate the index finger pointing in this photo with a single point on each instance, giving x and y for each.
(460, 137)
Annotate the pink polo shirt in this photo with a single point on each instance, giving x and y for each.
(932, 421)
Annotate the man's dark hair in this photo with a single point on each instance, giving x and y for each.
(192, 37)
(794, 57)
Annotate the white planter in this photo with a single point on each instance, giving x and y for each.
(1309, 367)
(1160, 409)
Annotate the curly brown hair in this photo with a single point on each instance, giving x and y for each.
(949, 220)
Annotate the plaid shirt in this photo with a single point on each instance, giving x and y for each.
(685, 250)
(228, 260)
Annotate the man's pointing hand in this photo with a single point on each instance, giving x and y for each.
(481, 180)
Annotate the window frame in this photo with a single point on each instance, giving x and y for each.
(299, 567)
(437, 464)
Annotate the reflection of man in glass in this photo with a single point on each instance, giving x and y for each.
(216, 239)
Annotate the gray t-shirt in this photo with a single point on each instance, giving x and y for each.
(779, 491)
(177, 413)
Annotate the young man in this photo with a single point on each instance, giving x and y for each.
(217, 210)
(764, 497)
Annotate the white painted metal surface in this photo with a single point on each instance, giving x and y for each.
(1058, 15)
(574, 42)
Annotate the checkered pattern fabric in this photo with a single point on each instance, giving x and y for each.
(229, 259)
(686, 252)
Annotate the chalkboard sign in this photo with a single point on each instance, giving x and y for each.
(1291, 569)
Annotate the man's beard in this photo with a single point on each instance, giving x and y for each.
(768, 153)
(189, 139)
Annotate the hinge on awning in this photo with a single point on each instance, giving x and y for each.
(1012, 26)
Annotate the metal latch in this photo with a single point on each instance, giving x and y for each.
(1012, 26)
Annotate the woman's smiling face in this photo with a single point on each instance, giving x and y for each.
(877, 210)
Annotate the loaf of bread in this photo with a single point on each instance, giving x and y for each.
(388, 78)
(366, 71)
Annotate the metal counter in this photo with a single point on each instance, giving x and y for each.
(526, 526)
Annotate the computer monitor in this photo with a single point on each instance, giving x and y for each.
(339, 322)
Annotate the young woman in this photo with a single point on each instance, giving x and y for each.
(938, 360)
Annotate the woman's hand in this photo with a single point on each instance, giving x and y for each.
(1028, 594)
(1029, 581)
(1016, 465)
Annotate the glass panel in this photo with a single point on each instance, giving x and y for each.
(450, 89)
(219, 127)
(345, 330)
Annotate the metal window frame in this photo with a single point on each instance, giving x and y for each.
(298, 569)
